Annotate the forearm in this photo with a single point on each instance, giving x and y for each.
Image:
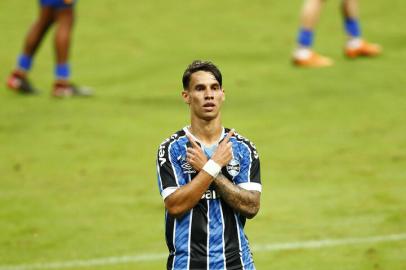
(241, 200)
(187, 196)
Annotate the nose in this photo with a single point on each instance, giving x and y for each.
(208, 94)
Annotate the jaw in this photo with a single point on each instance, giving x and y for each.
(206, 116)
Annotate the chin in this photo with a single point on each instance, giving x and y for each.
(208, 117)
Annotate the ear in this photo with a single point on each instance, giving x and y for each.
(185, 96)
(224, 94)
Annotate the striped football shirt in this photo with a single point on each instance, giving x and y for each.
(211, 235)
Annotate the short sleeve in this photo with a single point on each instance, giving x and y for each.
(249, 176)
(167, 180)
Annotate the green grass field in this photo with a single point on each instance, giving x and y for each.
(77, 177)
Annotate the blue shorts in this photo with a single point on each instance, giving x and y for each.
(58, 4)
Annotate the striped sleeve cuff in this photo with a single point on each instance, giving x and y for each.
(168, 191)
(251, 186)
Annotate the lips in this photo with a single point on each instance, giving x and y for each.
(209, 105)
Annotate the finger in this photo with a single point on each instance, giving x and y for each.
(230, 148)
(227, 138)
(192, 141)
(191, 152)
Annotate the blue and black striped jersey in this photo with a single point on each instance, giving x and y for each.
(211, 235)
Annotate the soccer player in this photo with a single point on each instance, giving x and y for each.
(356, 46)
(209, 179)
(60, 12)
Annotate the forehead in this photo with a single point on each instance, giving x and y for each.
(202, 77)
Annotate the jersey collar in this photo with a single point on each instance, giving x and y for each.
(187, 131)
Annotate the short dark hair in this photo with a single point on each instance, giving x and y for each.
(199, 65)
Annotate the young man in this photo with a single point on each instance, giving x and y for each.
(209, 179)
(356, 46)
(51, 11)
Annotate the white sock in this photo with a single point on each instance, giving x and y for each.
(354, 43)
(302, 53)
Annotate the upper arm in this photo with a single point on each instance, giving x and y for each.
(249, 176)
(167, 171)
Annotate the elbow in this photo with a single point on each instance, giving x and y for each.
(254, 206)
(175, 211)
(252, 211)
(251, 214)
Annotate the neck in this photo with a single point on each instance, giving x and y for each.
(207, 131)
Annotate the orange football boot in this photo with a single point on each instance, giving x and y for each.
(364, 49)
(314, 60)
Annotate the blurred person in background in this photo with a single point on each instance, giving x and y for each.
(209, 179)
(355, 46)
(61, 13)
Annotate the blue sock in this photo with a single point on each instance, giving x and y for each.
(305, 37)
(24, 62)
(62, 71)
(352, 27)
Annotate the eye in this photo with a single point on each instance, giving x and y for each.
(215, 87)
(200, 87)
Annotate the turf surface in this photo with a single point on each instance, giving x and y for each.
(77, 177)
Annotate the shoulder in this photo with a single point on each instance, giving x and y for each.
(243, 142)
(166, 149)
(172, 139)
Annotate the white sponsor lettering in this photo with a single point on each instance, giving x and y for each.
(210, 195)
(161, 154)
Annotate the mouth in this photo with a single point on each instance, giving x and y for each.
(209, 105)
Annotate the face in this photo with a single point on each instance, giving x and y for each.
(204, 95)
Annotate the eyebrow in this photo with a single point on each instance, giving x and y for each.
(200, 84)
(204, 85)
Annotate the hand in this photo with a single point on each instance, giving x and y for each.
(224, 152)
(195, 155)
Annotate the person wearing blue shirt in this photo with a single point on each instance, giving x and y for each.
(209, 179)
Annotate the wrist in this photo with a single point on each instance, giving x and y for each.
(212, 168)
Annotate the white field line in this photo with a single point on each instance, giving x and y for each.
(327, 243)
(161, 256)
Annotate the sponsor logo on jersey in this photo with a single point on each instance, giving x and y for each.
(161, 151)
(210, 195)
(161, 154)
(187, 168)
(233, 168)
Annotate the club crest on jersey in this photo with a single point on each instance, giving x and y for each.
(233, 168)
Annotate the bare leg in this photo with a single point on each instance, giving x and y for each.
(350, 9)
(311, 13)
(62, 86)
(36, 34)
(65, 21)
(356, 46)
(303, 55)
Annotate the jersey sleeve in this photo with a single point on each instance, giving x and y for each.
(166, 170)
(249, 176)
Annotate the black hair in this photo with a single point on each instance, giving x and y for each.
(199, 65)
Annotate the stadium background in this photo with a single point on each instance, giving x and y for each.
(77, 177)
